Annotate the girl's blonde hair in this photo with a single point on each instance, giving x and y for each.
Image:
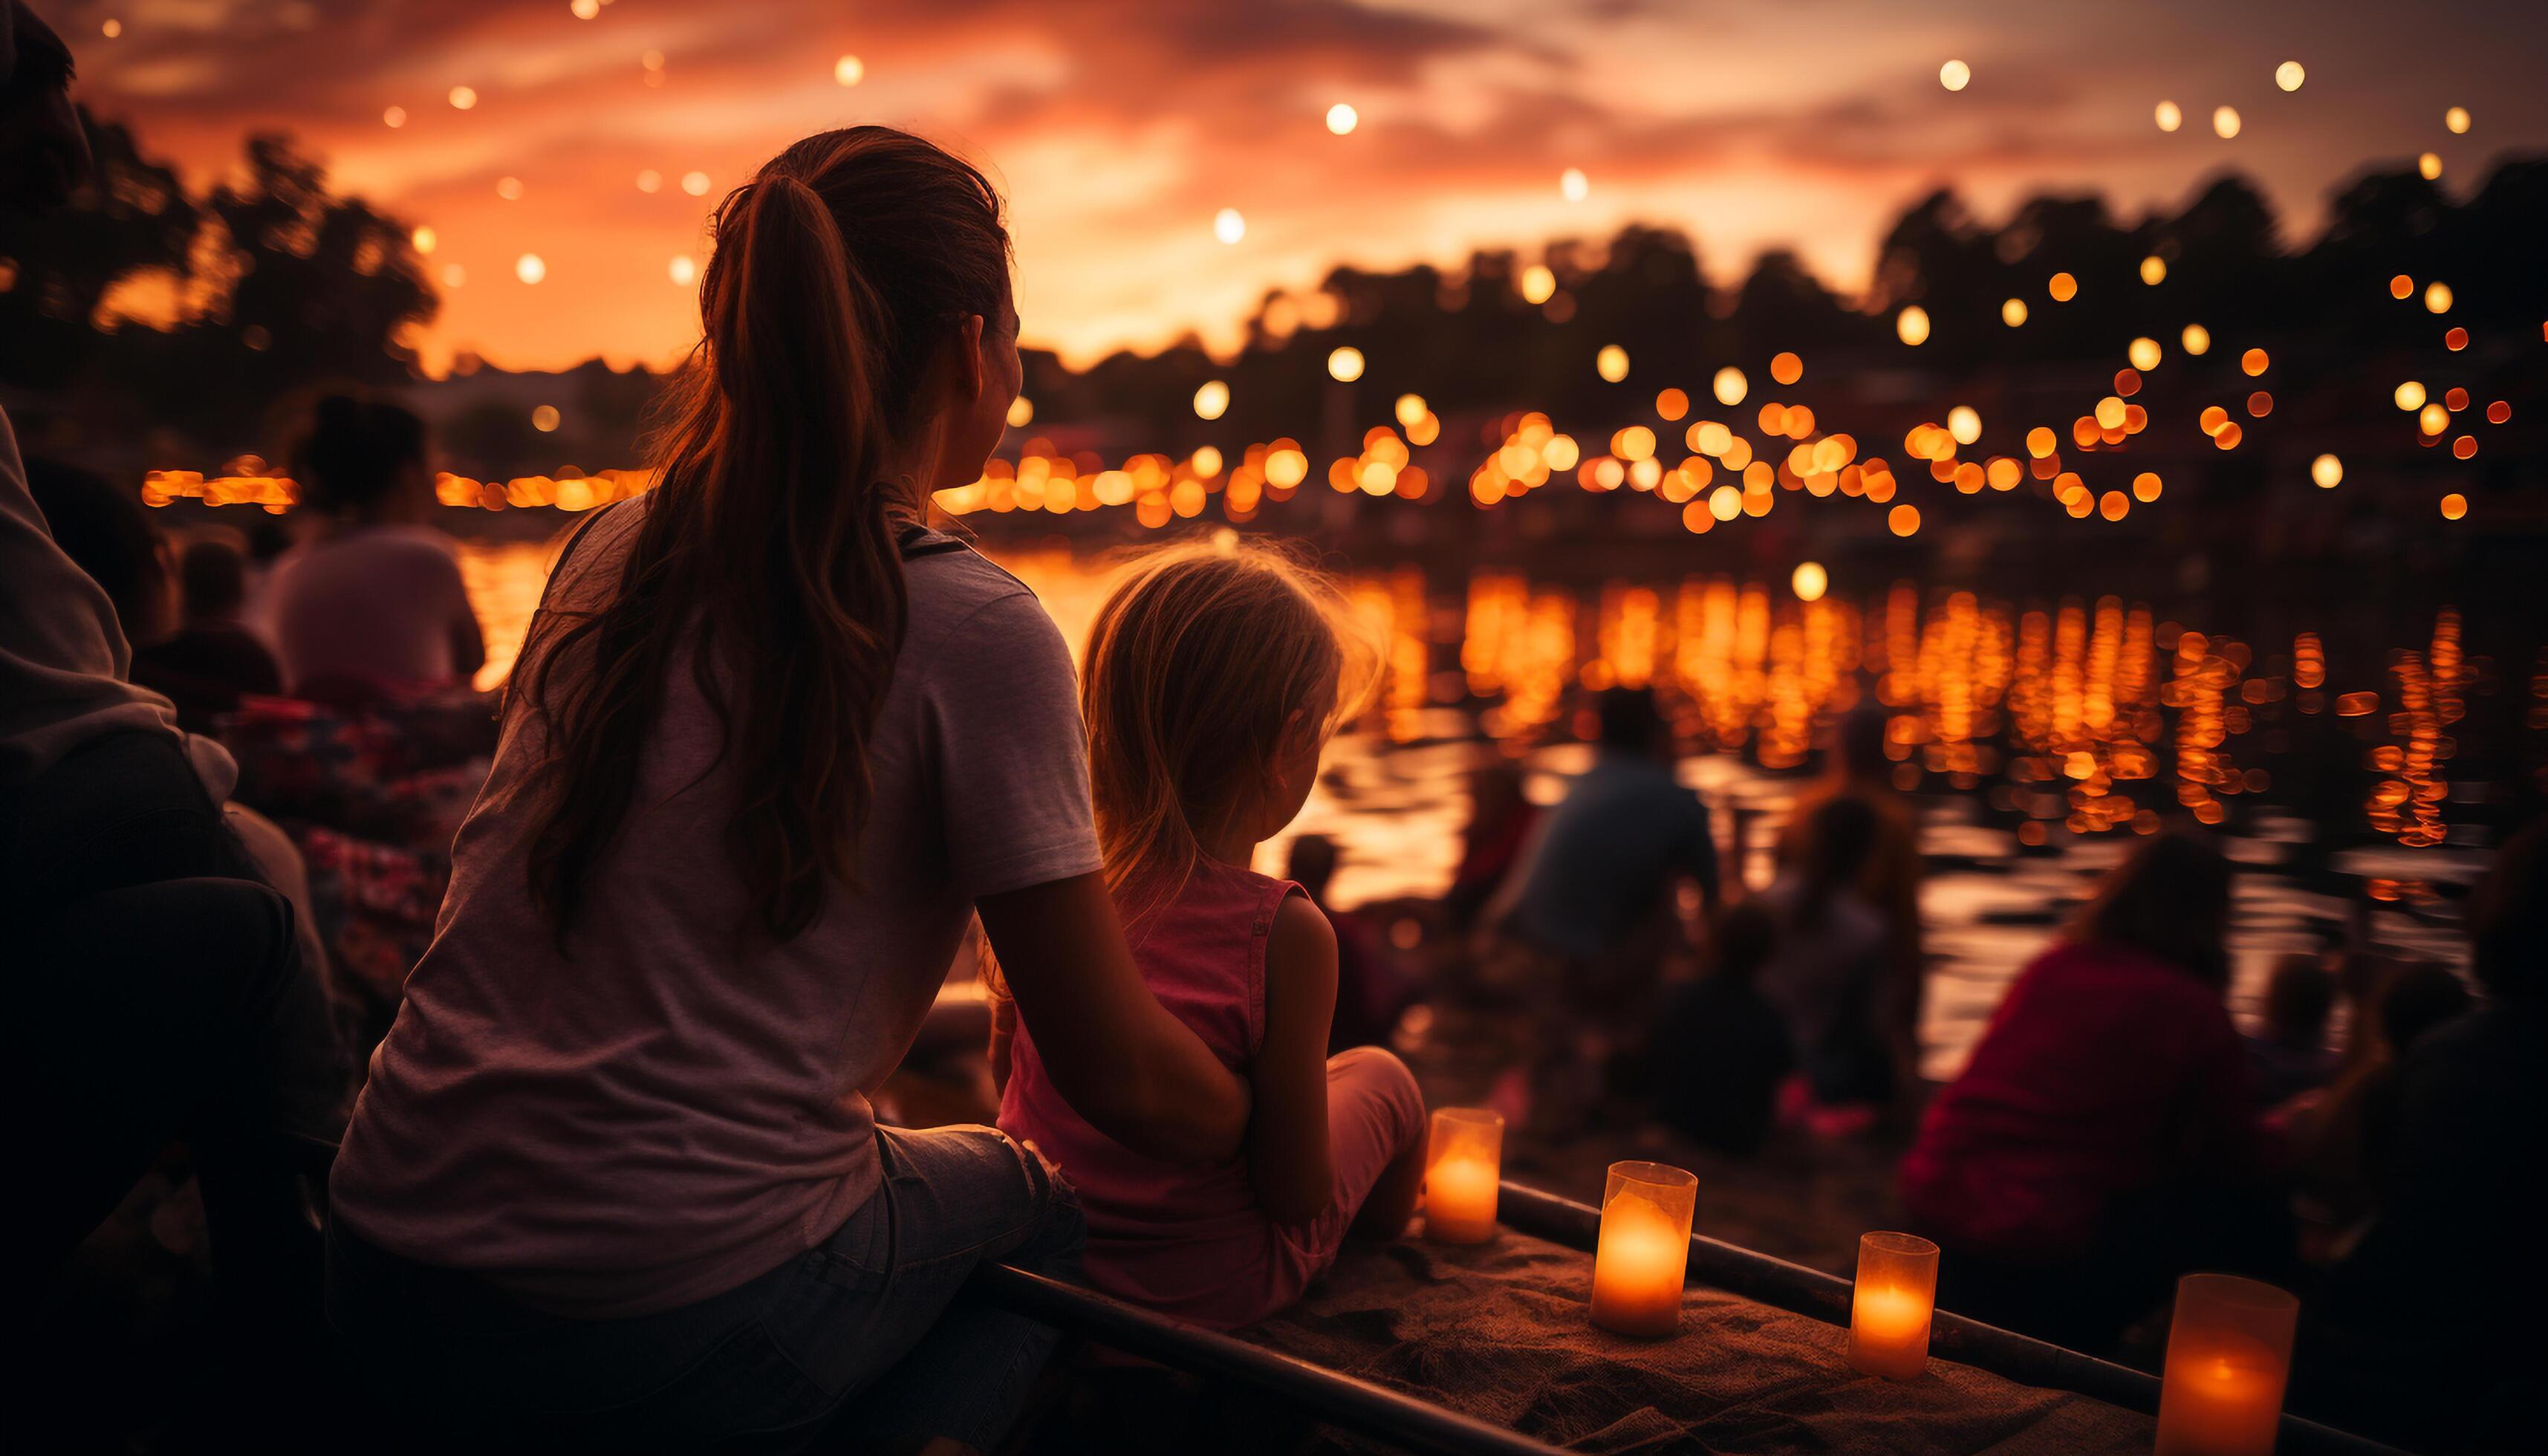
(1196, 663)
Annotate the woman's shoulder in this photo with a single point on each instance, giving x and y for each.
(960, 595)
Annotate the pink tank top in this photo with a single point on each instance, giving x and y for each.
(1185, 1238)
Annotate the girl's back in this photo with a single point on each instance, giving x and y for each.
(1174, 1236)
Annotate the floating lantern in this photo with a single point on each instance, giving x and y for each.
(2229, 1356)
(1644, 1251)
(1463, 1163)
(1890, 1310)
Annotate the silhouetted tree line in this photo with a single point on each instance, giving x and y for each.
(144, 307)
(1468, 340)
(250, 296)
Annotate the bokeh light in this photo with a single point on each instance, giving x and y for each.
(2171, 116)
(2289, 76)
(1211, 400)
(2013, 313)
(1572, 185)
(530, 268)
(1611, 363)
(1344, 364)
(2327, 472)
(2144, 354)
(1955, 75)
(1911, 325)
(2225, 122)
(1229, 225)
(2457, 120)
(2195, 339)
(849, 70)
(1342, 119)
(1730, 386)
(1809, 581)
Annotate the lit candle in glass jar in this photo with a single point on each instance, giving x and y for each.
(1644, 1251)
(1463, 1164)
(1889, 1310)
(2229, 1356)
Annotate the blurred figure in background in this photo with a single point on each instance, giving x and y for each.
(156, 989)
(2289, 1054)
(1500, 819)
(2103, 1139)
(2443, 1293)
(1856, 769)
(1720, 1048)
(209, 660)
(1585, 921)
(1595, 888)
(1372, 988)
(1829, 967)
(375, 601)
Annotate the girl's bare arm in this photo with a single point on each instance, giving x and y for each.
(1287, 1143)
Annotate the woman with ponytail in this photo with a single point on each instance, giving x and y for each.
(615, 1180)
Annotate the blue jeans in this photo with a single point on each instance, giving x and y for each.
(857, 1341)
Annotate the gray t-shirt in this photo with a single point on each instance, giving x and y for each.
(667, 1112)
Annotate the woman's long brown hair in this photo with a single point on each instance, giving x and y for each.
(767, 557)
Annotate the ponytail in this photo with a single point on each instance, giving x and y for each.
(772, 531)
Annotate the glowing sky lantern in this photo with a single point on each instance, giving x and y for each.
(1955, 75)
(2328, 471)
(1810, 581)
(2225, 122)
(1342, 119)
(2289, 76)
(684, 270)
(2013, 313)
(2171, 116)
(1611, 363)
(849, 70)
(1572, 185)
(1228, 226)
(1211, 399)
(530, 268)
(1730, 386)
(2457, 120)
(1344, 364)
(1911, 325)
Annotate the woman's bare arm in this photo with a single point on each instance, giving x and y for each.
(1113, 1052)
(1288, 1160)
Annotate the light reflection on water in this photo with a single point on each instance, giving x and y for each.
(2037, 739)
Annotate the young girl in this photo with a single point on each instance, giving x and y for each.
(1211, 686)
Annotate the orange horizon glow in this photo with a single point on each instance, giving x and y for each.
(1121, 129)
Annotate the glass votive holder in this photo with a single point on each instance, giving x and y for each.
(1890, 1305)
(1463, 1164)
(2228, 1357)
(1644, 1252)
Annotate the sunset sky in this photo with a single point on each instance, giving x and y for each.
(1121, 128)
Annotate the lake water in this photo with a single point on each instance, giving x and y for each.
(2033, 737)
